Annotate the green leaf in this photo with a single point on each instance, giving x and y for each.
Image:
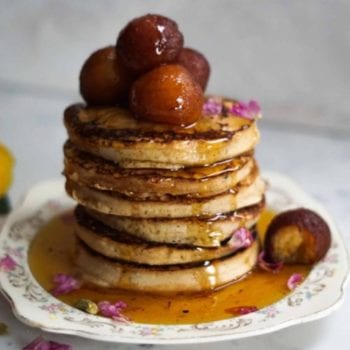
(5, 206)
(3, 328)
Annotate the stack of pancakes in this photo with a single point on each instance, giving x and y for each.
(158, 204)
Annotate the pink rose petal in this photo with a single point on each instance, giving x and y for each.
(41, 344)
(113, 311)
(294, 280)
(64, 284)
(254, 107)
(269, 266)
(241, 310)
(7, 263)
(241, 238)
(248, 110)
(58, 346)
(212, 106)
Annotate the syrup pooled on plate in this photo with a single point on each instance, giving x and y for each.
(52, 252)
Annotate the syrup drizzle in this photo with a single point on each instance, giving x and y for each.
(52, 252)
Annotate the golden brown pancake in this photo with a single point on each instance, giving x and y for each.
(96, 172)
(114, 134)
(196, 277)
(158, 203)
(199, 231)
(248, 192)
(119, 245)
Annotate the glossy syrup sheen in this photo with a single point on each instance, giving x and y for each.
(52, 252)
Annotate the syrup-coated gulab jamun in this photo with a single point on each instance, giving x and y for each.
(167, 94)
(298, 236)
(196, 64)
(148, 41)
(103, 78)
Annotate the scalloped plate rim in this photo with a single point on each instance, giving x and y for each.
(163, 341)
(201, 338)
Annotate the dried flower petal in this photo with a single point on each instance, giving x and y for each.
(249, 110)
(7, 263)
(58, 346)
(3, 328)
(254, 107)
(41, 344)
(269, 266)
(87, 306)
(64, 284)
(241, 310)
(212, 106)
(38, 344)
(113, 311)
(241, 238)
(294, 280)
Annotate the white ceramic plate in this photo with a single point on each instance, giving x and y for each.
(320, 294)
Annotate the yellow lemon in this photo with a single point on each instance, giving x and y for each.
(6, 168)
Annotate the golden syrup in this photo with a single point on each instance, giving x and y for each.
(52, 252)
(116, 118)
(202, 173)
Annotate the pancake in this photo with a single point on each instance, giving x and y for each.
(196, 277)
(92, 171)
(248, 192)
(198, 231)
(159, 203)
(119, 245)
(114, 134)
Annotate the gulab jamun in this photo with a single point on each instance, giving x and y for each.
(196, 64)
(103, 78)
(148, 41)
(298, 236)
(167, 94)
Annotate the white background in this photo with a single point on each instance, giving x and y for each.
(292, 56)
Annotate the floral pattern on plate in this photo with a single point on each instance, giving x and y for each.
(317, 296)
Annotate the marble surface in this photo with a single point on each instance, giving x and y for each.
(31, 125)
